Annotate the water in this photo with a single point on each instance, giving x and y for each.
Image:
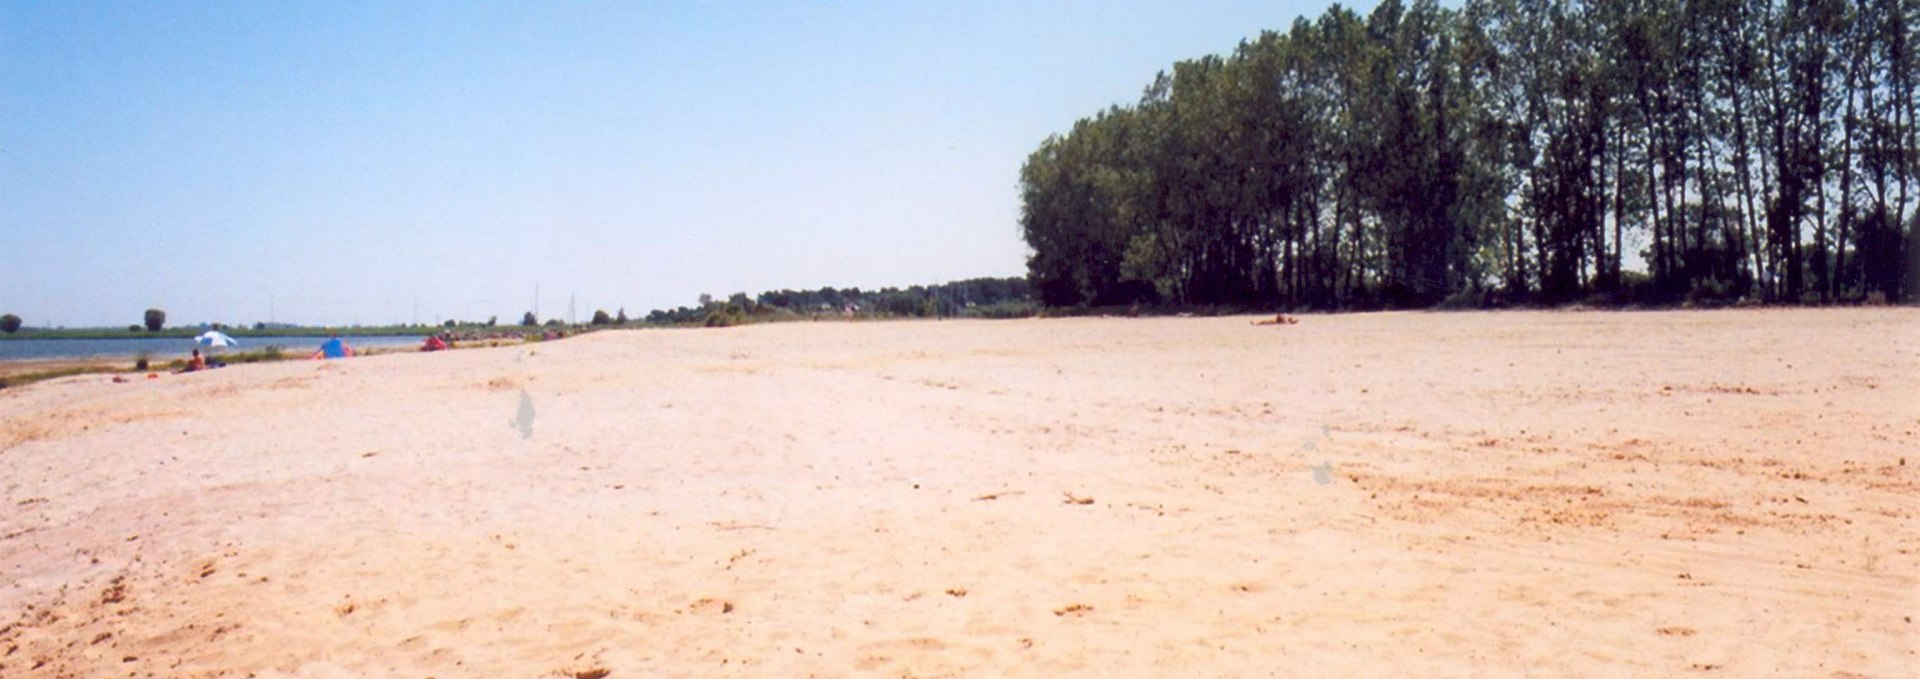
(167, 348)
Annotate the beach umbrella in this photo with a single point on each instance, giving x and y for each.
(215, 338)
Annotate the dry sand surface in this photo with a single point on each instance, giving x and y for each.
(1506, 494)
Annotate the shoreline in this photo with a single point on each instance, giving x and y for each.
(19, 372)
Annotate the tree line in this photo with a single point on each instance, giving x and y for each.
(1510, 151)
(983, 297)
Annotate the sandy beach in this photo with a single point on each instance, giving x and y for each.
(1654, 494)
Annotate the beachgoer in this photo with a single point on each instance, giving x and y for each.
(334, 348)
(198, 362)
(433, 343)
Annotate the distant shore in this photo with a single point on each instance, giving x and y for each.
(186, 332)
(19, 371)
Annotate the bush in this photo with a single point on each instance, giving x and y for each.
(155, 320)
(1637, 287)
(9, 324)
(1711, 292)
(600, 317)
(1003, 310)
(725, 316)
(529, 320)
(272, 352)
(1462, 300)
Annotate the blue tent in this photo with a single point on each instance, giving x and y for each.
(334, 348)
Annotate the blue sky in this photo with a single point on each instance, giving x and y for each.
(385, 162)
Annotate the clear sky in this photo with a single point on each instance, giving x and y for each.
(385, 162)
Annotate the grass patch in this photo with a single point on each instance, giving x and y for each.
(265, 355)
(26, 378)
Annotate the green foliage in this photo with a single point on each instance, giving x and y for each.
(9, 323)
(600, 317)
(725, 316)
(529, 320)
(1464, 299)
(266, 354)
(948, 299)
(1025, 309)
(155, 320)
(1715, 292)
(1501, 152)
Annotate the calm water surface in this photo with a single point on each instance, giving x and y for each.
(164, 348)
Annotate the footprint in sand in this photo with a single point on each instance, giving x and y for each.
(1323, 473)
(523, 420)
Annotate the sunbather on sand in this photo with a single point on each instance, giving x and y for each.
(195, 364)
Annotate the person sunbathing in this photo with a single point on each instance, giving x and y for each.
(195, 364)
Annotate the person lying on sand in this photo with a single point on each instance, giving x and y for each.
(1278, 319)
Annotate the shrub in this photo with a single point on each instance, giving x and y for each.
(600, 317)
(725, 316)
(1461, 300)
(155, 320)
(529, 320)
(1711, 292)
(1003, 310)
(9, 324)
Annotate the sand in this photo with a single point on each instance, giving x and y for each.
(1406, 494)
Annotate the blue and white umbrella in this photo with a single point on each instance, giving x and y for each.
(215, 338)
